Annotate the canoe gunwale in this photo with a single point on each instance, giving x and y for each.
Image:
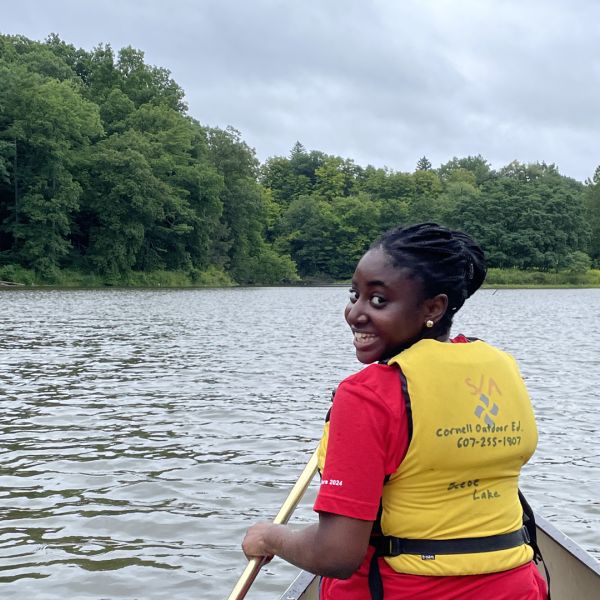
(568, 544)
(298, 586)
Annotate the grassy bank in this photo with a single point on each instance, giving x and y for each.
(218, 278)
(517, 278)
(68, 278)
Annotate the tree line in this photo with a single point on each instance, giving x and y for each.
(102, 170)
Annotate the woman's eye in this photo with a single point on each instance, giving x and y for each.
(377, 301)
(353, 295)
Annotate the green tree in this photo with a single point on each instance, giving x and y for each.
(305, 164)
(50, 126)
(425, 205)
(358, 225)
(99, 73)
(291, 177)
(457, 194)
(204, 185)
(116, 110)
(331, 179)
(393, 213)
(123, 201)
(528, 217)
(477, 166)
(578, 262)
(385, 184)
(308, 235)
(144, 83)
(245, 204)
(592, 215)
(167, 147)
(423, 164)
(326, 237)
(7, 153)
(277, 176)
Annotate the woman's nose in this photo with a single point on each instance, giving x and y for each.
(355, 314)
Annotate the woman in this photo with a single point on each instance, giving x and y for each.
(421, 457)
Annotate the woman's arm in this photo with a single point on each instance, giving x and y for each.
(335, 547)
(368, 436)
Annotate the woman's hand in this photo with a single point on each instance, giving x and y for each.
(335, 547)
(261, 540)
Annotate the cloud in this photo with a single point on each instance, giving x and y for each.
(383, 82)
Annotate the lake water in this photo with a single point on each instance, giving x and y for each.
(142, 432)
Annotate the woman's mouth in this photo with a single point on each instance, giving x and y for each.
(363, 339)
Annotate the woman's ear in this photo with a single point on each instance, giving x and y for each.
(436, 307)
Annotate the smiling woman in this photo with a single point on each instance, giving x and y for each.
(387, 521)
(386, 311)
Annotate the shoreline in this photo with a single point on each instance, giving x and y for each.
(75, 287)
(20, 279)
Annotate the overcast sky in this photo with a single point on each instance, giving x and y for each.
(383, 82)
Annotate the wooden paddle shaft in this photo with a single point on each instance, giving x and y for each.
(285, 512)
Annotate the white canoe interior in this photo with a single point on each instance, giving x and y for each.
(574, 573)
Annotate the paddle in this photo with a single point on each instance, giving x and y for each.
(285, 512)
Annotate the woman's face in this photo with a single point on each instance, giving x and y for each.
(387, 310)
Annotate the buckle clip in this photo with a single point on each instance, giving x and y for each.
(390, 546)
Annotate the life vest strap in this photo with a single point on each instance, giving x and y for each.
(394, 546)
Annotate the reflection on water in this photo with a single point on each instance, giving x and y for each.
(143, 431)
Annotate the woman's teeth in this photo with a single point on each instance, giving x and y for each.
(363, 337)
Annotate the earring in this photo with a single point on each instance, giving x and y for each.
(429, 323)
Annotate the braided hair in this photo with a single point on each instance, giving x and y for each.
(445, 261)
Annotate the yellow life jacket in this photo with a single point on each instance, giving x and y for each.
(322, 449)
(472, 428)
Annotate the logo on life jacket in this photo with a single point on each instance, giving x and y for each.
(486, 410)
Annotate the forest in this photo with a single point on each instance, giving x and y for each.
(105, 178)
